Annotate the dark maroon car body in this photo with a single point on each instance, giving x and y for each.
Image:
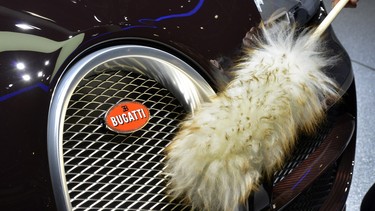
(41, 40)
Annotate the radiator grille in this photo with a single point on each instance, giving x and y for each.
(109, 171)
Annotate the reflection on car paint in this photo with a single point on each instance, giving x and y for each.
(29, 88)
(33, 43)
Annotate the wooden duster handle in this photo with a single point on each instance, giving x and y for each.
(330, 17)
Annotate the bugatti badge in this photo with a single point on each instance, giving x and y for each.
(127, 117)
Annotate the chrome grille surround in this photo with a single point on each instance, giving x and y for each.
(94, 168)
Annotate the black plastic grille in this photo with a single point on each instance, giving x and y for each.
(110, 171)
(314, 197)
(304, 147)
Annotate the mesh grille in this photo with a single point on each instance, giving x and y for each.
(314, 197)
(304, 147)
(109, 171)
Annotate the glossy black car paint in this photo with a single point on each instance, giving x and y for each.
(40, 39)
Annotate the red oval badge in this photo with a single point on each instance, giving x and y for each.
(126, 117)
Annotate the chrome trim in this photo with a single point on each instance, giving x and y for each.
(174, 74)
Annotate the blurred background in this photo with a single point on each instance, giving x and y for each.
(355, 28)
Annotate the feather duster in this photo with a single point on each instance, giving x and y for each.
(279, 89)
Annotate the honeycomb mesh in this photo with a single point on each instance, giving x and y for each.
(110, 171)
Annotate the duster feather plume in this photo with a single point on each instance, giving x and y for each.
(279, 90)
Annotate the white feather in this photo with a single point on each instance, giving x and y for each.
(220, 154)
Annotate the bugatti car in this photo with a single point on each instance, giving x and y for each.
(68, 66)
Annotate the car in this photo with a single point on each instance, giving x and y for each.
(72, 71)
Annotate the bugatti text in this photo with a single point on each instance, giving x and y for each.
(128, 117)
